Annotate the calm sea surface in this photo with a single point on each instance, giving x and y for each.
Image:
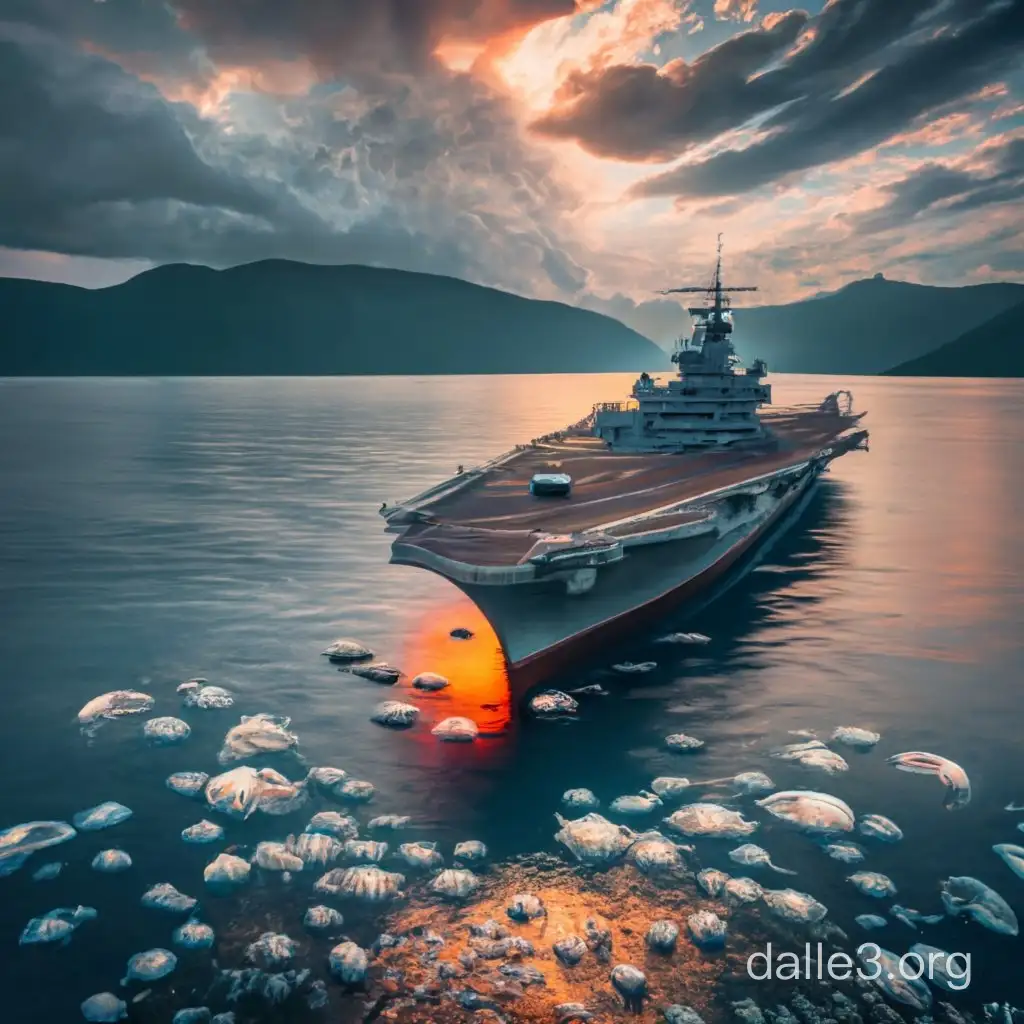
(155, 530)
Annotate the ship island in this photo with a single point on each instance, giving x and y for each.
(595, 532)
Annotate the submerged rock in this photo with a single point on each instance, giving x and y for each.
(164, 731)
(104, 1008)
(472, 851)
(848, 853)
(638, 803)
(55, 925)
(871, 883)
(356, 791)
(810, 811)
(570, 950)
(524, 906)
(101, 816)
(209, 698)
(271, 951)
(676, 1014)
(315, 848)
(949, 773)
(389, 821)
(795, 907)
(749, 783)
(456, 730)
(706, 929)
(877, 826)
(226, 871)
(379, 672)
(255, 735)
(853, 736)
(455, 883)
(193, 935)
(662, 936)
(572, 1013)
(323, 919)
(681, 743)
(711, 821)
(115, 704)
(553, 703)
(365, 882)
(652, 852)
(430, 682)
(743, 890)
(421, 856)
(966, 895)
(47, 872)
(883, 969)
(164, 896)
(669, 787)
(593, 839)
(712, 881)
(150, 965)
(110, 862)
(751, 856)
(631, 983)
(364, 851)
(276, 857)
(202, 832)
(349, 963)
(347, 650)
(580, 800)
(187, 783)
(333, 823)
(395, 714)
(327, 778)
(598, 939)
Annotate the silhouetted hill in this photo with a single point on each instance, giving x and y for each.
(285, 318)
(995, 349)
(866, 327)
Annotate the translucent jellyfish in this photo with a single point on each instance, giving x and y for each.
(164, 896)
(743, 890)
(101, 816)
(388, 821)
(593, 839)
(629, 668)
(631, 984)
(712, 881)
(553, 704)
(323, 919)
(669, 787)
(315, 848)
(193, 935)
(104, 1008)
(110, 862)
(853, 736)
(684, 638)
(55, 926)
(276, 857)
(209, 698)
(191, 686)
(455, 883)
(949, 773)
(871, 883)
(395, 714)
(19, 841)
(1012, 856)
(652, 852)
(885, 970)
(226, 871)
(327, 778)
(472, 851)
(848, 853)
(12, 862)
(662, 936)
(912, 918)
(349, 963)
(429, 681)
(421, 856)
(202, 832)
(115, 704)
(869, 922)
(364, 851)
(593, 690)
(749, 783)
(333, 823)
(347, 650)
(271, 951)
(356, 791)
(877, 826)
(255, 735)
(580, 800)
(192, 1015)
(570, 950)
(187, 783)
(711, 821)
(241, 791)
(681, 743)
(810, 811)
(379, 672)
(795, 907)
(163, 732)
(638, 803)
(47, 872)
(456, 730)
(966, 895)
(751, 856)
(150, 965)
(706, 929)
(813, 754)
(525, 906)
(364, 882)
(937, 966)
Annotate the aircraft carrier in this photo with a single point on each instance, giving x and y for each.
(597, 530)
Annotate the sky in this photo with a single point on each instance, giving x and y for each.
(577, 150)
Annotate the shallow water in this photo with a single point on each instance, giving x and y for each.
(155, 530)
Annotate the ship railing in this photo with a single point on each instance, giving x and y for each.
(631, 405)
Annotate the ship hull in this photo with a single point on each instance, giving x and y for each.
(544, 630)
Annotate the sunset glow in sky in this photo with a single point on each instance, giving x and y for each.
(574, 149)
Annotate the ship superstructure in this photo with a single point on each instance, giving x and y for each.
(589, 532)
